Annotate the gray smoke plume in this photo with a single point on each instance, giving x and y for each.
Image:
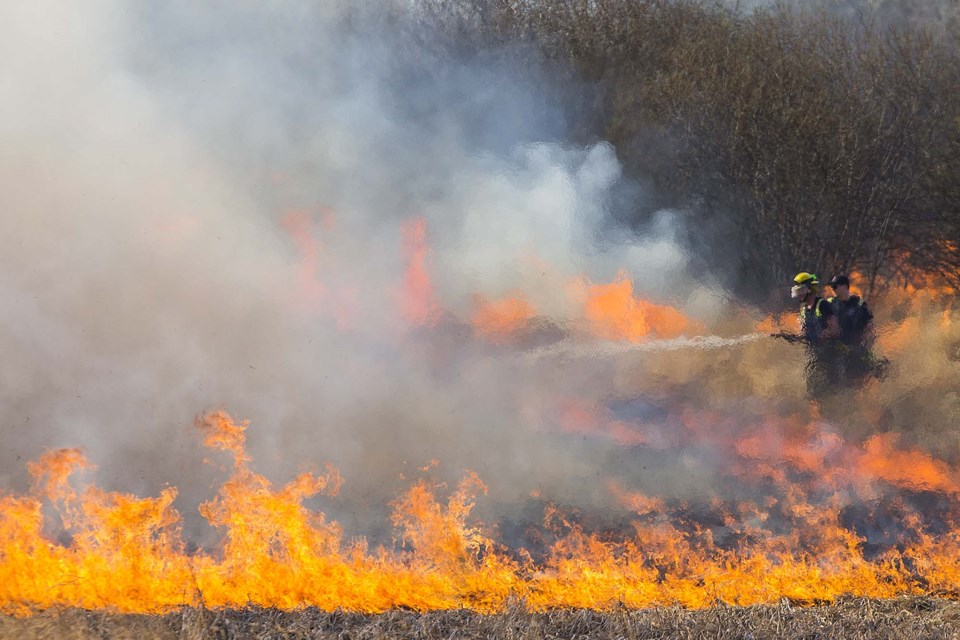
(207, 208)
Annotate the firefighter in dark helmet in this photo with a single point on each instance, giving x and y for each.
(820, 330)
(856, 330)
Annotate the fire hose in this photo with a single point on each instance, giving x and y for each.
(792, 338)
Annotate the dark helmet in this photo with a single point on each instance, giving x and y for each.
(838, 280)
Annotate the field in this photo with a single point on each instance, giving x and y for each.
(496, 285)
(851, 618)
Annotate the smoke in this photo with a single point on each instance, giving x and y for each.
(293, 213)
(220, 207)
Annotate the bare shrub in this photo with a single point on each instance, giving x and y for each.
(807, 140)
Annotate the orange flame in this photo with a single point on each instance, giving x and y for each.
(614, 313)
(574, 416)
(913, 470)
(501, 320)
(126, 554)
(418, 303)
(780, 322)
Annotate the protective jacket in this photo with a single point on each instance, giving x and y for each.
(813, 320)
(854, 318)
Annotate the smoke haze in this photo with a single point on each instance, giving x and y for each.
(206, 208)
(293, 213)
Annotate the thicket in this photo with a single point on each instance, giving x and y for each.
(794, 140)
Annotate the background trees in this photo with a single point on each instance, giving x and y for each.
(802, 139)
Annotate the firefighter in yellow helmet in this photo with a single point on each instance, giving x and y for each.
(818, 319)
(820, 331)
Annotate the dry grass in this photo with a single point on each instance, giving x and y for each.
(915, 618)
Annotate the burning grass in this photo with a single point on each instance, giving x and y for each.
(126, 554)
(803, 510)
(908, 617)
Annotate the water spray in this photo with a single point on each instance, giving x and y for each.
(570, 349)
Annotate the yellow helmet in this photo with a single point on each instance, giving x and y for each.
(802, 282)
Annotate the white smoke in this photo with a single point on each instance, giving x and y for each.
(151, 158)
(205, 207)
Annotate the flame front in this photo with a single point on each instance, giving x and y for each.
(127, 554)
(795, 537)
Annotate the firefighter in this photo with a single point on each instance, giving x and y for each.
(818, 319)
(820, 330)
(856, 330)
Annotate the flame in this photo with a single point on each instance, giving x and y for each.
(500, 320)
(67, 543)
(125, 553)
(914, 470)
(777, 322)
(614, 313)
(299, 225)
(907, 280)
(575, 416)
(418, 301)
(639, 503)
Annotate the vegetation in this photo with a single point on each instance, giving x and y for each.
(796, 140)
(853, 618)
